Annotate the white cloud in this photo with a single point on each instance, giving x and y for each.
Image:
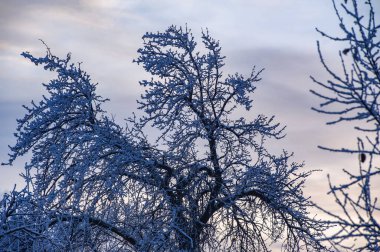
(105, 35)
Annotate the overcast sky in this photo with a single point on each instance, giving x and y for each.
(278, 35)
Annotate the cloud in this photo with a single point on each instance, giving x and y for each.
(276, 35)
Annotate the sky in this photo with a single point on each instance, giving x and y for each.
(278, 35)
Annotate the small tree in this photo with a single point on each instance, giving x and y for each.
(353, 95)
(207, 183)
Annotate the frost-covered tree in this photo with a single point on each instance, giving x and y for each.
(353, 95)
(207, 183)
